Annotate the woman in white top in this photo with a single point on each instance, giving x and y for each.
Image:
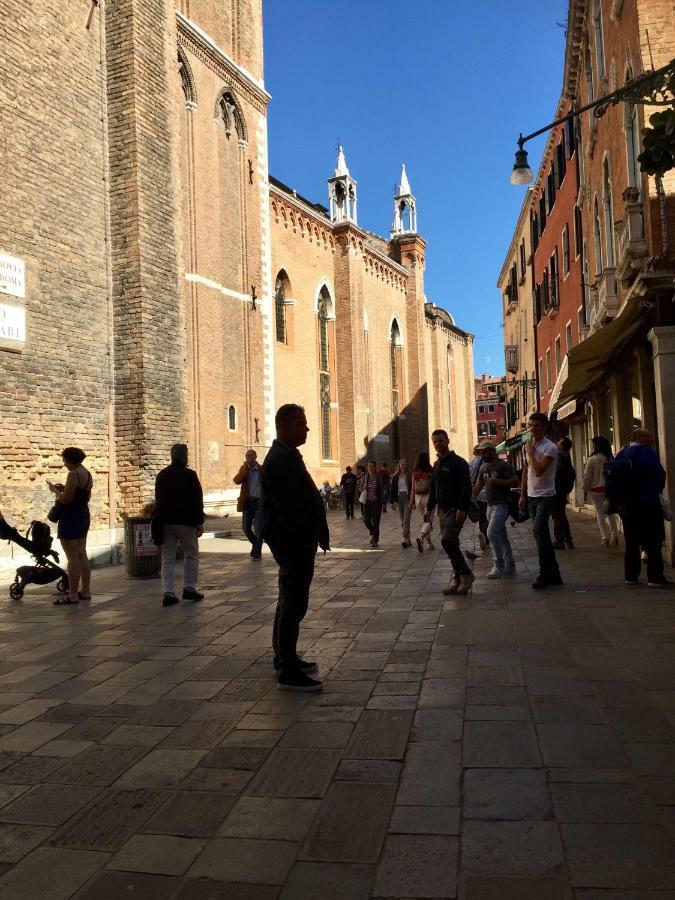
(594, 486)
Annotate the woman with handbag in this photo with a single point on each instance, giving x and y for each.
(594, 486)
(72, 511)
(421, 485)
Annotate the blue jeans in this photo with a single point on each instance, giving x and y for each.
(540, 513)
(498, 537)
(251, 523)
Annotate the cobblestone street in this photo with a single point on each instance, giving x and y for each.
(509, 745)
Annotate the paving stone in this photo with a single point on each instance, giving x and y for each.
(652, 759)
(641, 725)
(160, 769)
(9, 792)
(337, 881)
(372, 770)
(380, 734)
(190, 814)
(568, 710)
(196, 735)
(167, 712)
(338, 835)
(250, 758)
(431, 775)
(25, 712)
(18, 840)
(326, 735)
(63, 748)
(110, 820)
(506, 794)
(48, 804)
(592, 776)
(425, 820)
(31, 769)
(442, 692)
(138, 735)
(270, 818)
(418, 866)
(295, 773)
(50, 872)
(128, 885)
(496, 696)
(229, 781)
(497, 713)
(511, 848)
(206, 889)
(95, 729)
(593, 746)
(603, 803)
(437, 725)
(516, 889)
(241, 859)
(29, 737)
(99, 765)
(240, 737)
(500, 744)
(619, 856)
(157, 854)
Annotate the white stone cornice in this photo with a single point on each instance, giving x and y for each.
(208, 47)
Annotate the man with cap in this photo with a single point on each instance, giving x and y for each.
(497, 477)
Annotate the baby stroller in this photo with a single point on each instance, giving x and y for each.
(38, 542)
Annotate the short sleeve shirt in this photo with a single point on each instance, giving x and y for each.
(497, 493)
(542, 485)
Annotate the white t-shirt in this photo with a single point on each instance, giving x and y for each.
(542, 485)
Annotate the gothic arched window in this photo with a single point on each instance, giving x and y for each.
(608, 209)
(632, 129)
(231, 115)
(280, 307)
(597, 238)
(232, 418)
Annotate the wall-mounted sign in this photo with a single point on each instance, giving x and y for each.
(12, 326)
(12, 276)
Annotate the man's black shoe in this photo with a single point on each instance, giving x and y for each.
(298, 681)
(304, 665)
(189, 594)
(554, 581)
(169, 600)
(539, 585)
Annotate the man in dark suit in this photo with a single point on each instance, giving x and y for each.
(294, 527)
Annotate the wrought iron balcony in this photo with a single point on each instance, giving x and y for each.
(631, 237)
(511, 352)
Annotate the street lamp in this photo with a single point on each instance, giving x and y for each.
(653, 84)
(522, 173)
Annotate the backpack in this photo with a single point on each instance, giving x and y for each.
(621, 485)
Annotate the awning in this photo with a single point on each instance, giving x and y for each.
(586, 362)
(514, 443)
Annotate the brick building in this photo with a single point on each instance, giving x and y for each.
(490, 407)
(620, 369)
(157, 285)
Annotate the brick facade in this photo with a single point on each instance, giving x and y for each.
(136, 191)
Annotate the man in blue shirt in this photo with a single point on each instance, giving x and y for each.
(640, 509)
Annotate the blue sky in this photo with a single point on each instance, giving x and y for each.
(442, 85)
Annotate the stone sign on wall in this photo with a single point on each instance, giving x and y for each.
(12, 276)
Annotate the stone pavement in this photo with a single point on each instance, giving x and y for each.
(509, 745)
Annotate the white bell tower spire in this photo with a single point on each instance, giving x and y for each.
(405, 208)
(342, 192)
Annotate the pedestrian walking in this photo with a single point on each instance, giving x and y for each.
(250, 502)
(634, 484)
(594, 487)
(385, 477)
(349, 484)
(480, 499)
(374, 490)
(565, 479)
(421, 485)
(537, 491)
(401, 490)
(73, 523)
(451, 492)
(294, 526)
(179, 506)
(496, 477)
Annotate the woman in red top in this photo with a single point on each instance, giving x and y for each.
(421, 485)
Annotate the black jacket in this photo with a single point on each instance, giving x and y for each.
(394, 486)
(178, 496)
(295, 515)
(450, 484)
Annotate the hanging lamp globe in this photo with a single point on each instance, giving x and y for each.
(522, 173)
